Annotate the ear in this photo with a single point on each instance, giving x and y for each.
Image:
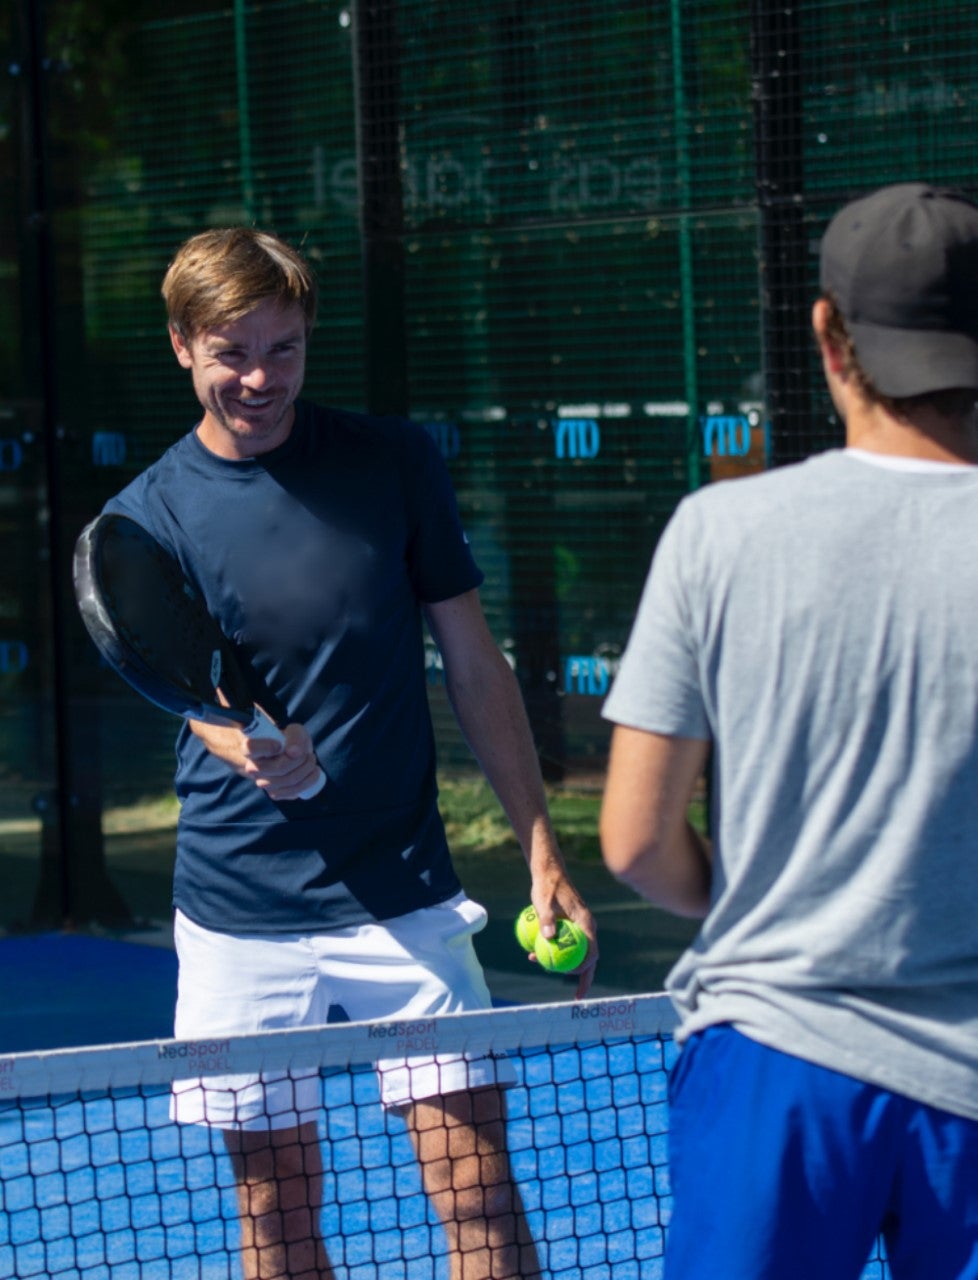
(181, 348)
(831, 355)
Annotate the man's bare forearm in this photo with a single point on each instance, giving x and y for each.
(647, 840)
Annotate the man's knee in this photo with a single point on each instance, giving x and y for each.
(276, 1169)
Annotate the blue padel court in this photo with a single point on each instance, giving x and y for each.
(108, 1187)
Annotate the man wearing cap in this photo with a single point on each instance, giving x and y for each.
(816, 628)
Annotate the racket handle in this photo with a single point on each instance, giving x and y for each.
(262, 727)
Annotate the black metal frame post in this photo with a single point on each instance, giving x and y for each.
(776, 75)
(378, 132)
(74, 887)
(53, 901)
(530, 499)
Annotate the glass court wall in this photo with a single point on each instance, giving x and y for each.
(576, 240)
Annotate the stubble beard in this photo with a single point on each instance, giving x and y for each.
(242, 429)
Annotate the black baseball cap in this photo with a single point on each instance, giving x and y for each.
(902, 267)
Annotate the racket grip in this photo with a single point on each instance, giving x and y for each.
(262, 727)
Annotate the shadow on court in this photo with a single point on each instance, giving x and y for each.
(68, 989)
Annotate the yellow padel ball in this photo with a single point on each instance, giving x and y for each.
(527, 928)
(563, 952)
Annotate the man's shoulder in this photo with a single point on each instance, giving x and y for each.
(139, 493)
(806, 472)
(774, 488)
(400, 442)
(357, 424)
(731, 513)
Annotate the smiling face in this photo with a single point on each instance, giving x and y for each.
(247, 375)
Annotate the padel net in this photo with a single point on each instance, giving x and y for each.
(98, 1183)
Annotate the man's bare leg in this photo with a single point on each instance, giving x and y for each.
(460, 1141)
(280, 1186)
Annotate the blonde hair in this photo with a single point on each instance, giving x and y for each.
(219, 276)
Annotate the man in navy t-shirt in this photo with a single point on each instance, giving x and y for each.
(320, 539)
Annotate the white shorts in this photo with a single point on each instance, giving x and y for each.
(419, 965)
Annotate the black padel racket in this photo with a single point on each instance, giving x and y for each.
(152, 626)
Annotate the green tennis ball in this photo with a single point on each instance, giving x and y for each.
(527, 928)
(563, 952)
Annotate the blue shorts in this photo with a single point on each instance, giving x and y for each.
(784, 1169)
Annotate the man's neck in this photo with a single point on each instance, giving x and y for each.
(923, 434)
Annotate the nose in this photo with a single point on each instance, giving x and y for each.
(255, 378)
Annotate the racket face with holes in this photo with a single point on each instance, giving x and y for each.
(152, 625)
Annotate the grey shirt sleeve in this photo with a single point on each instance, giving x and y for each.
(658, 686)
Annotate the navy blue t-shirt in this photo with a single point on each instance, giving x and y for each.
(315, 559)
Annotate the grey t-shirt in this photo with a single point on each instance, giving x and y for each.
(820, 624)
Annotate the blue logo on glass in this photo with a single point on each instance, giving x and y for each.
(577, 438)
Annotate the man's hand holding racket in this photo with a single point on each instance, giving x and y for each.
(151, 624)
(286, 771)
